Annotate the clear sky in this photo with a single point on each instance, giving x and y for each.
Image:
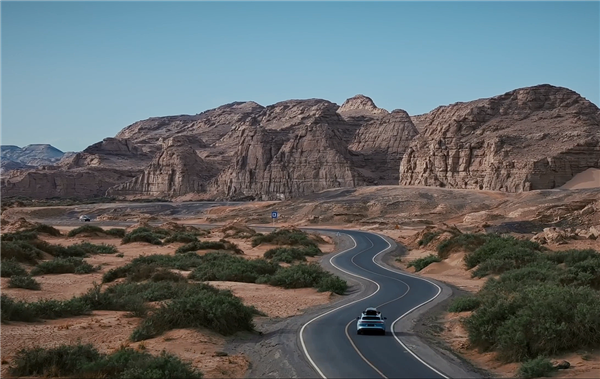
(74, 73)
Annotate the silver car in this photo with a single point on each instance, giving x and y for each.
(370, 321)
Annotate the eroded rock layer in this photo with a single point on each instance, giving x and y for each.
(531, 138)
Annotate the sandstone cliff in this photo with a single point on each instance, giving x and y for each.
(531, 138)
(176, 170)
(271, 165)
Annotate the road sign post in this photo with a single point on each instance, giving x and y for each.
(273, 216)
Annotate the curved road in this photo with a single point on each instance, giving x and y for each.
(330, 341)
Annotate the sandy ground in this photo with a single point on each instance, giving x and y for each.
(589, 178)
(109, 330)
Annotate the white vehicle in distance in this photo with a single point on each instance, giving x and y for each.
(370, 321)
(85, 218)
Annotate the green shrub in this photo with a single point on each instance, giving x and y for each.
(63, 266)
(140, 236)
(219, 311)
(167, 275)
(63, 360)
(573, 256)
(289, 237)
(421, 263)
(428, 237)
(24, 235)
(464, 304)
(116, 232)
(222, 266)
(181, 237)
(85, 229)
(583, 273)
(536, 368)
(539, 319)
(21, 251)
(42, 309)
(291, 254)
(305, 275)
(466, 242)
(10, 267)
(127, 363)
(183, 261)
(47, 229)
(83, 249)
(85, 361)
(521, 252)
(25, 281)
(208, 245)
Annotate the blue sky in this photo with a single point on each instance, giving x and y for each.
(76, 72)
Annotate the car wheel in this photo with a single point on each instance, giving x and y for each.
(358, 332)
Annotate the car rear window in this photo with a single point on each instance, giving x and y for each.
(367, 318)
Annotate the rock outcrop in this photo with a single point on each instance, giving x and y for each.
(531, 138)
(382, 143)
(176, 170)
(360, 105)
(271, 165)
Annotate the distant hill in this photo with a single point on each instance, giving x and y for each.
(30, 156)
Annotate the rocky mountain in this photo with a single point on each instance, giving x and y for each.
(175, 171)
(531, 138)
(31, 155)
(527, 139)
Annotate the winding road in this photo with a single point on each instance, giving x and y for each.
(330, 341)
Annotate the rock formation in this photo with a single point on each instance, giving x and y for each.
(531, 138)
(176, 170)
(269, 166)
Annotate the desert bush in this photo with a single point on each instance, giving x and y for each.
(583, 273)
(116, 232)
(163, 274)
(428, 237)
(181, 237)
(305, 275)
(572, 256)
(521, 252)
(539, 319)
(222, 266)
(466, 242)
(24, 281)
(291, 254)
(42, 309)
(464, 304)
(139, 235)
(23, 235)
(291, 237)
(183, 261)
(21, 251)
(238, 231)
(85, 229)
(421, 263)
(63, 360)
(536, 368)
(63, 266)
(209, 245)
(85, 361)
(47, 229)
(83, 249)
(10, 267)
(219, 311)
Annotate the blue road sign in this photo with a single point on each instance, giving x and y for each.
(273, 214)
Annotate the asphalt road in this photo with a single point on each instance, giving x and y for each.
(330, 341)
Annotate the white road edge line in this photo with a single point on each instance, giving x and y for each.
(420, 305)
(335, 309)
